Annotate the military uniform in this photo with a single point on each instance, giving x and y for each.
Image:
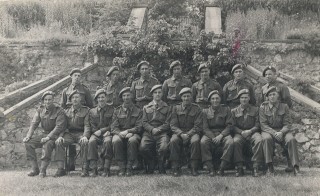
(112, 91)
(53, 122)
(201, 90)
(248, 119)
(126, 150)
(231, 90)
(86, 98)
(141, 90)
(99, 119)
(275, 118)
(171, 88)
(155, 116)
(185, 120)
(75, 131)
(282, 90)
(215, 122)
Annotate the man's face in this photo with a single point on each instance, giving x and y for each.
(76, 99)
(215, 100)
(75, 77)
(204, 73)
(101, 99)
(186, 98)
(238, 74)
(177, 70)
(48, 101)
(273, 97)
(114, 76)
(244, 99)
(157, 94)
(270, 76)
(127, 97)
(144, 70)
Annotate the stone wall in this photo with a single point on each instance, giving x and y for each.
(35, 61)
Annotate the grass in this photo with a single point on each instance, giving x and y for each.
(17, 183)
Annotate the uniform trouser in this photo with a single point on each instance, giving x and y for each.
(106, 152)
(254, 142)
(126, 150)
(70, 138)
(34, 143)
(152, 147)
(289, 144)
(209, 149)
(193, 144)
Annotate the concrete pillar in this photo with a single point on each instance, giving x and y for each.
(213, 19)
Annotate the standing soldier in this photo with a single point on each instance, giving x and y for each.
(113, 87)
(155, 122)
(270, 73)
(99, 131)
(274, 121)
(186, 124)
(76, 115)
(172, 86)
(86, 100)
(53, 122)
(247, 130)
(202, 88)
(232, 88)
(217, 124)
(126, 130)
(141, 87)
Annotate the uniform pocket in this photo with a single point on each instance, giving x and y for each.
(139, 91)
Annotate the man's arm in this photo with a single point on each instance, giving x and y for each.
(197, 127)
(174, 124)
(264, 122)
(34, 124)
(61, 125)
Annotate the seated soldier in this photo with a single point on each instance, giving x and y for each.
(186, 124)
(75, 132)
(217, 125)
(155, 122)
(126, 129)
(274, 121)
(98, 130)
(202, 88)
(247, 131)
(232, 88)
(53, 122)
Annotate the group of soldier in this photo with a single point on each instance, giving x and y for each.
(206, 124)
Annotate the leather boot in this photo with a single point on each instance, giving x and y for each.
(296, 171)
(94, 172)
(35, 169)
(161, 166)
(129, 172)
(222, 168)
(61, 171)
(106, 173)
(85, 169)
(151, 166)
(239, 172)
(255, 172)
(270, 171)
(43, 170)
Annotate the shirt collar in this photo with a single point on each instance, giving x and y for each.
(144, 79)
(276, 105)
(130, 107)
(176, 78)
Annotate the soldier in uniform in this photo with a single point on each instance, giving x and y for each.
(113, 87)
(76, 115)
(270, 73)
(155, 122)
(98, 130)
(53, 122)
(217, 125)
(202, 88)
(172, 86)
(186, 124)
(232, 88)
(247, 131)
(86, 100)
(126, 129)
(274, 121)
(141, 88)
